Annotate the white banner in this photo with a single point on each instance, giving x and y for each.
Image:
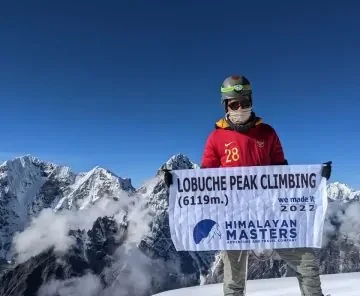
(244, 208)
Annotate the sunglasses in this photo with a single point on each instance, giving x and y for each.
(244, 103)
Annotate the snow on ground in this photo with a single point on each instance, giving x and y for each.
(343, 284)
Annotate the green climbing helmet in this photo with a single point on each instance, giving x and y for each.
(234, 87)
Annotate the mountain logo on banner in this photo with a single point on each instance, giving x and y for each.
(206, 228)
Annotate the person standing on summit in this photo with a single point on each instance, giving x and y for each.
(241, 138)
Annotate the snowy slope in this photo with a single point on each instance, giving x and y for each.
(345, 284)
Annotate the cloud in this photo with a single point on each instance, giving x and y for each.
(47, 230)
(350, 223)
(51, 228)
(87, 285)
(347, 219)
(132, 271)
(130, 274)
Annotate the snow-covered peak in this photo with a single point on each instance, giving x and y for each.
(91, 186)
(29, 185)
(342, 192)
(22, 161)
(27, 162)
(179, 162)
(23, 176)
(21, 181)
(99, 174)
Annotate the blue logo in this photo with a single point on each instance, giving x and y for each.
(206, 228)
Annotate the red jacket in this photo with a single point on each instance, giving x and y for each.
(227, 148)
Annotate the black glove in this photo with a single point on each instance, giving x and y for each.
(326, 170)
(285, 162)
(168, 178)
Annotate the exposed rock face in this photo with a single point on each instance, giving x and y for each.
(90, 255)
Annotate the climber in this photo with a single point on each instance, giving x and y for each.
(241, 138)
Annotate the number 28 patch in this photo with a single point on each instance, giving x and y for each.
(232, 154)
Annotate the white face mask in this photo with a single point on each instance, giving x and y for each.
(239, 116)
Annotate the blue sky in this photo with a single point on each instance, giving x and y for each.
(127, 84)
